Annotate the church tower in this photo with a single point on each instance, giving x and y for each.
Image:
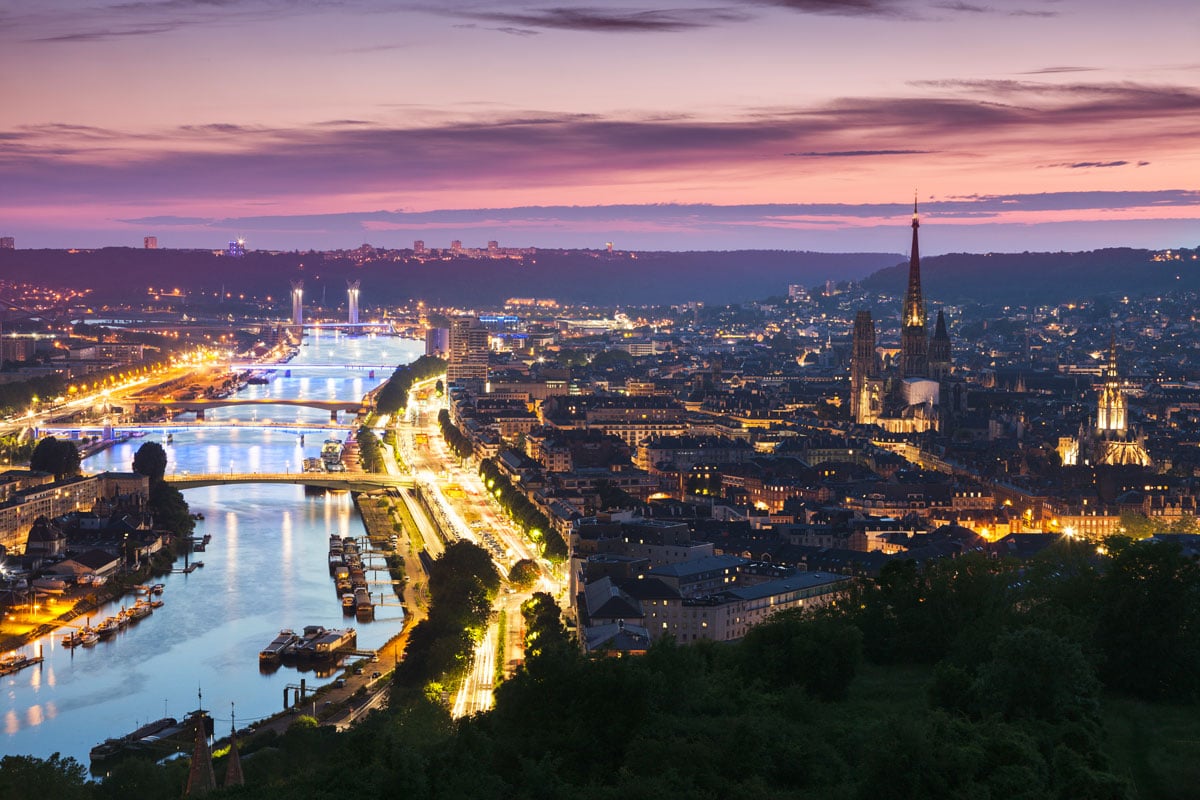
(914, 341)
(866, 390)
(1110, 408)
(939, 350)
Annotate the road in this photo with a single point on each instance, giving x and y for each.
(463, 506)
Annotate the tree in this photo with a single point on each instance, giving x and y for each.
(27, 776)
(524, 573)
(151, 460)
(1148, 622)
(57, 456)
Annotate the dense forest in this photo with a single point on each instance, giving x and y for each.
(1071, 677)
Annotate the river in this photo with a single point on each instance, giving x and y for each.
(265, 569)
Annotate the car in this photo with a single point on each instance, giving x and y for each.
(375, 675)
(340, 683)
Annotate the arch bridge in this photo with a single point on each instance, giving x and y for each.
(200, 406)
(348, 481)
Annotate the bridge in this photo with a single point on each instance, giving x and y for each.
(199, 406)
(99, 429)
(346, 481)
(242, 366)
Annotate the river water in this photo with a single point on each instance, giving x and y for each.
(265, 569)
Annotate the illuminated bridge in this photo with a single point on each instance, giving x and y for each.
(349, 481)
(200, 406)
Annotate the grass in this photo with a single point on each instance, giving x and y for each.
(400, 509)
(1154, 745)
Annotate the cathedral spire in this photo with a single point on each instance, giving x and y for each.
(913, 341)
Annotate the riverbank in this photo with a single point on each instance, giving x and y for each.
(19, 629)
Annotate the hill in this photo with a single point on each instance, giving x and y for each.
(576, 276)
(1042, 277)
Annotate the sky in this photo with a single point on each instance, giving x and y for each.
(773, 124)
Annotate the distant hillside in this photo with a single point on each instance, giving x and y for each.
(571, 275)
(1041, 277)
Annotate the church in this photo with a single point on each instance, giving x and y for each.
(908, 402)
(1110, 441)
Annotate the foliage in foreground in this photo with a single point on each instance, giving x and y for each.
(974, 679)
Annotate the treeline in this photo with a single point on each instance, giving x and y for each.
(392, 398)
(18, 396)
(462, 584)
(370, 451)
(455, 440)
(523, 512)
(971, 679)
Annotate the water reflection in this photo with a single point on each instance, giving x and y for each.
(265, 569)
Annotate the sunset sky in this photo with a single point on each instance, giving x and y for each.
(781, 124)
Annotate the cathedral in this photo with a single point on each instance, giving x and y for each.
(1110, 441)
(908, 402)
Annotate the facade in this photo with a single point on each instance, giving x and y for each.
(150, 242)
(468, 342)
(866, 390)
(7, 243)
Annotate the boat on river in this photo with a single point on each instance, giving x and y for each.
(273, 652)
(140, 740)
(108, 627)
(13, 662)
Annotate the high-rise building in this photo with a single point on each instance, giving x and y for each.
(419, 247)
(493, 247)
(8, 243)
(297, 302)
(456, 246)
(468, 351)
(237, 248)
(914, 341)
(352, 292)
(866, 390)
(437, 342)
(150, 242)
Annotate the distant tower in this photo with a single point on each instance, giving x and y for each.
(297, 302)
(8, 243)
(865, 387)
(237, 248)
(352, 291)
(1110, 409)
(939, 350)
(419, 247)
(914, 341)
(456, 246)
(150, 242)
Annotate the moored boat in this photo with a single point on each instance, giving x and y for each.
(273, 652)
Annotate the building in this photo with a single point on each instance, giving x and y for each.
(911, 404)
(150, 242)
(7, 243)
(297, 302)
(352, 289)
(866, 390)
(914, 342)
(237, 248)
(437, 342)
(468, 351)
